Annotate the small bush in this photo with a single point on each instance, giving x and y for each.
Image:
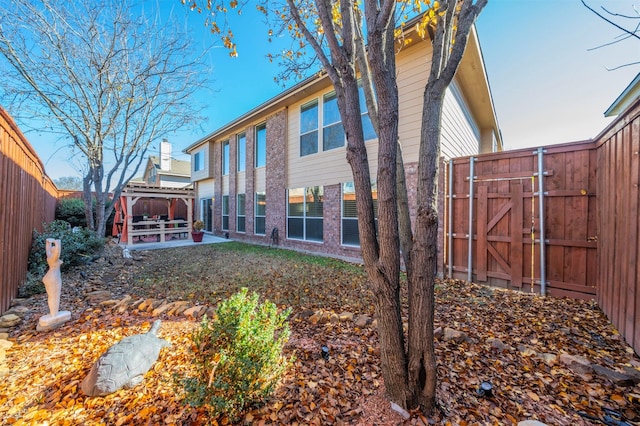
(237, 355)
(71, 210)
(79, 245)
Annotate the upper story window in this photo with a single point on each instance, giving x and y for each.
(261, 145)
(225, 157)
(241, 152)
(332, 131)
(367, 126)
(309, 128)
(198, 161)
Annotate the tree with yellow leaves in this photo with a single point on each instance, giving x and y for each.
(358, 40)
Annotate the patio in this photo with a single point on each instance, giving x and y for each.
(150, 243)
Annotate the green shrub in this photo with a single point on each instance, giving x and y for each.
(79, 245)
(71, 210)
(237, 356)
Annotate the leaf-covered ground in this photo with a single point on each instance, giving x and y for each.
(46, 368)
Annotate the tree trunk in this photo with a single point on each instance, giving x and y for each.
(422, 368)
(87, 198)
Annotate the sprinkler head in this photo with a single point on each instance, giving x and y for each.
(324, 351)
(485, 389)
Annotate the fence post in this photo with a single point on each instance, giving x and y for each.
(470, 254)
(450, 222)
(543, 272)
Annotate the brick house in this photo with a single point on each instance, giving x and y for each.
(282, 166)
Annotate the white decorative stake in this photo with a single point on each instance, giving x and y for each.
(53, 284)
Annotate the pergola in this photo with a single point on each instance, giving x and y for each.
(127, 228)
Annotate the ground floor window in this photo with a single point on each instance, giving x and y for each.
(205, 213)
(260, 213)
(225, 212)
(305, 213)
(240, 214)
(350, 233)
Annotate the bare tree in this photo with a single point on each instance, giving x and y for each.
(336, 33)
(70, 183)
(102, 75)
(628, 24)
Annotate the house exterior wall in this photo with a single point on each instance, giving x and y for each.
(286, 169)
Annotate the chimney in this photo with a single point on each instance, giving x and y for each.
(165, 155)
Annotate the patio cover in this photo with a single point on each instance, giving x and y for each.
(132, 193)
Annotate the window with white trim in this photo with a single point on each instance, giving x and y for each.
(225, 212)
(332, 130)
(305, 208)
(261, 145)
(198, 161)
(241, 214)
(225, 158)
(309, 128)
(350, 233)
(260, 213)
(241, 152)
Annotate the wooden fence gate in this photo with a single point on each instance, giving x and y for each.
(499, 198)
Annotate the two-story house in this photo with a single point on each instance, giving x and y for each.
(281, 167)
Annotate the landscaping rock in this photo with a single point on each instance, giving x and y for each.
(149, 305)
(20, 311)
(577, 364)
(632, 372)
(162, 309)
(325, 318)
(334, 318)
(98, 296)
(346, 316)
(362, 321)
(455, 335)
(179, 307)
(9, 320)
(194, 312)
(374, 323)
(315, 318)
(438, 333)
(498, 344)
(5, 344)
(306, 313)
(548, 358)
(613, 376)
(526, 350)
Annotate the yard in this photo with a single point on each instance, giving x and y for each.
(528, 347)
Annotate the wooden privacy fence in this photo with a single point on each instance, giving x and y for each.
(619, 244)
(495, 226)
(27, 199)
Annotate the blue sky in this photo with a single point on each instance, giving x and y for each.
(547, 86)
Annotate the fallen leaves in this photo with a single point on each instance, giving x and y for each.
(529, 381)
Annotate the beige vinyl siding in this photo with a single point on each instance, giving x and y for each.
(207, 170)
(241, 182)
(413, 65)
(225, 185)
(206, 188)
(260, 179)
(325, 167)
(460, 134)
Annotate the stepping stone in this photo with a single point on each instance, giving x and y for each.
(9, 320)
